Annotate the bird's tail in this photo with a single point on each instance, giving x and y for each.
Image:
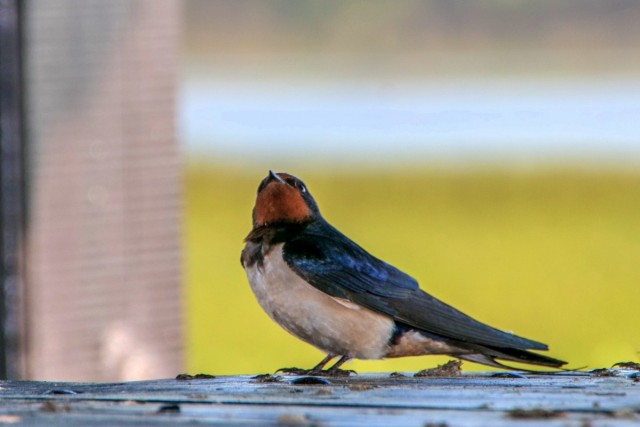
(489, 357)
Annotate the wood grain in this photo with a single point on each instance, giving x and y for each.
(367, 400)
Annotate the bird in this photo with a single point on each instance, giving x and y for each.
(326, 290)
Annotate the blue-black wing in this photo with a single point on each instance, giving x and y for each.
(334, 264)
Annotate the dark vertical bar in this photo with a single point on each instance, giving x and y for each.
(12, 197)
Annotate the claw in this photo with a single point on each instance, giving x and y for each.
(317, 370)
(317, 373)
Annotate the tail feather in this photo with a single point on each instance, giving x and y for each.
(489, 357)
(524, 356)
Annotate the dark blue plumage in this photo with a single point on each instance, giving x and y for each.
(333, 263)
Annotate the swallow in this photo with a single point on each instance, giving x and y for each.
(326, 290)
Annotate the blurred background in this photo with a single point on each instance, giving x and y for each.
(490, 149)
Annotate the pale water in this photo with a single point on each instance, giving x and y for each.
(456, 120)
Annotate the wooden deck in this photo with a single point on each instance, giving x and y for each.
(362, 400)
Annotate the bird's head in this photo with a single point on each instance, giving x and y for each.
(283, 198)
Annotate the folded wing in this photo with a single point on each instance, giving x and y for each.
(332, 263)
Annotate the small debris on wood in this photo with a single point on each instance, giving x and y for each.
(535, 413)
(624, 413)
(198, 396)
(296, 420)
(449, 369)
(436, 425)
(627, 365)
(267, 378)
(171, 408)
(609, 393)
(360, 387)
(397, 375)
(310, 381)
(603, 372)
(186, 377)
(324, 392)
(50, 406)
(508, 375)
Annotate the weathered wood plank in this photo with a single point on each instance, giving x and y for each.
(369, 399)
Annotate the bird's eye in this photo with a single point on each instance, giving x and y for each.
(296, 184)
(299, 185)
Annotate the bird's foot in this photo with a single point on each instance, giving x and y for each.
(296, 371)
(317, 372)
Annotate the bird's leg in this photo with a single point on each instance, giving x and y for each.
(339, 363)
(316, 370)
(335, 370)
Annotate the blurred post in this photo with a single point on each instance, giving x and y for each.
(103, 262)
(12, 194)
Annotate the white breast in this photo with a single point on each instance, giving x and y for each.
(337, 327)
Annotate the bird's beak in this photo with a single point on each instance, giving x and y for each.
(275, 176)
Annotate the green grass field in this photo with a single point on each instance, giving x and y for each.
(551, 255)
